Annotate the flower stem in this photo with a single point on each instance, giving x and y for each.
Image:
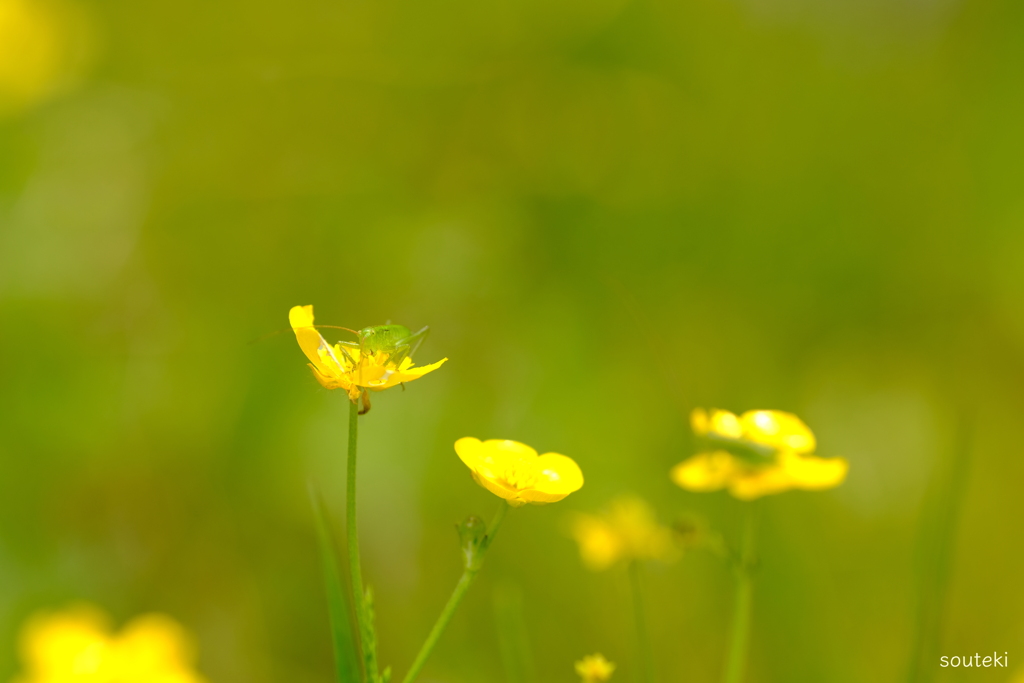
(468, 574)
(366, 638)
(736, 662)
(643, 641)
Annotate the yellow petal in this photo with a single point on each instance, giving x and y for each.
(706, 471)
(777, 429)
(764, 481)
(367, 374)
(600, 546)
(58, 643)
(325, 381)
(468, 450)
(407, 374)
(317, 350)
(495, 486)
(493, 455)
(557, 475)
(301, 319)
(813, 473)
(553, 477)
(537, 497)
(724, 423)
(155, 643)
(636, 523)
(301, 316)
(699, 421)
(413, 373)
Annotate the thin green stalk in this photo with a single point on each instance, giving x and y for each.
(366, 636)
(469, 573)
(643, 641)
(513, 636)
(936, 546)
(739, 643)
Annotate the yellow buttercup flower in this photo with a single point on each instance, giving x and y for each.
(40, 43)
(629, 530)
(594, 669)
(513, 471)
(352, 367)
(758, 453)
(77, 646)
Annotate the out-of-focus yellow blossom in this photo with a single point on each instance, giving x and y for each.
(349, 368)
(594, 669)
(628, 530)
(77, 645)
(40, 43)
(513, 471)
(758, 453)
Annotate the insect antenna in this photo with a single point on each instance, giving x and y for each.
(265, 337)
(336, 327)
(268, 335)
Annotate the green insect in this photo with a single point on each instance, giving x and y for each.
(397, 341)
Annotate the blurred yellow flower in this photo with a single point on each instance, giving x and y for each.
(513, 471)
(77, 646)
(594, 669)
(628, 530)
(346, 366)
(40, 41)
(758, 453)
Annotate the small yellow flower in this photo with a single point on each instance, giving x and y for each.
(594, 669)
(77, 646)
(40, 41)
(513, 471)
(758, 453)
(628, 530)
(347, 367)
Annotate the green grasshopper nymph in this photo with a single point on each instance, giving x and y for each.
(394, 340)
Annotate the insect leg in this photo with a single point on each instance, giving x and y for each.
(410, 344)
(399, 354)
(348, 356)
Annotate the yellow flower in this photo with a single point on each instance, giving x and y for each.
(758, 453)
(513, 471)
(347, 367)
(629, 530)
(77, 646)
(39, 43)
(594, 669)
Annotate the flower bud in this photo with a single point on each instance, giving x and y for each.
(472, 534)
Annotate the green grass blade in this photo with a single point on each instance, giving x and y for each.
(936, 549)
(513, 637)
(370, 639)
(339, 608)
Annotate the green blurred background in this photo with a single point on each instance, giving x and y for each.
(609, 212)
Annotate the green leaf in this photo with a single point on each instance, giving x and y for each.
(339, 608)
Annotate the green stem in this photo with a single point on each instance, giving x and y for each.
(735, 663)
(468, 574)
(643, 641)
(355, 567)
